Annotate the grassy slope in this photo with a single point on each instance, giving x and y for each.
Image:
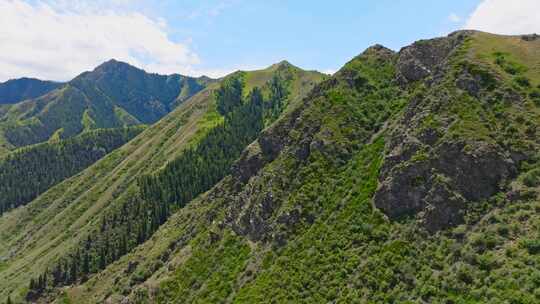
(525, 53)
(48, 227)
(187, 266)
(113, 95)
(349, 252)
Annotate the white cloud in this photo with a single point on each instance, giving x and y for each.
(509, 17)
(454, 18)
(329, 71)
(58, 40)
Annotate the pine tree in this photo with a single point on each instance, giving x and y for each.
(195, 171)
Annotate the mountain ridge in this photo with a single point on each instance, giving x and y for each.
(16, 90)
(303, 217)
(115, 94)
(147, 153)
(410, 176)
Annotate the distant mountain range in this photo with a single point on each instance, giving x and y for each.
(15, 90)
(405, 177)
(115, 94)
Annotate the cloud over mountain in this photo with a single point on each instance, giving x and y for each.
(506, 17)
(56, 42)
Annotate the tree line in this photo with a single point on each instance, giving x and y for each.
(30, 171)
(158, 195)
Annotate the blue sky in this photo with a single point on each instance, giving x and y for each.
(58, 39)
(319, 35)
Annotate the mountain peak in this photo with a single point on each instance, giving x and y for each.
(282, 65)
(113, 64)
(16, 90)
(378, 49)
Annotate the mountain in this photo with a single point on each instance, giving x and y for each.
(114, 94)
(406, 177)
(30, 171)
(410, 176)
(81, 216)
(15, 90)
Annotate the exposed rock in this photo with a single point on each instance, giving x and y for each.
(445, 208)
(274, 139)
(469, 84)
(250, 162)
(380, 51)
(125, 300)
(402, 193)
(253, 210)
(426, 57)
(401, 148)
(476, 169)
(290, 218)
(429, 136)
(440, 185)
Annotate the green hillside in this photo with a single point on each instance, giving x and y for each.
(52, 231)
(407, 177)
(16, 90)
(27, 172)
(115, 94)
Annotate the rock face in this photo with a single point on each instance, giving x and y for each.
(438, 188)
(429, 175)
(255, 204)
(250, 162)
(427, 57)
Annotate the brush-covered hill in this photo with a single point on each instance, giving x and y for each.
(409, 177)
(102, 213)
(115, 94)
(15, 90)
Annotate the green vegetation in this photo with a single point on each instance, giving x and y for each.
(207, 270)
(103, 214)
(114, 95)
(265, 188)
(218, 264)
(195, 171)
(28, 172)
(16, 90)
(314, 265)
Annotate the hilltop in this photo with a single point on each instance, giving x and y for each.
(16, 90)
(410, 176)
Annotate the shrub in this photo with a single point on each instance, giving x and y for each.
(532, 178)
(535, 96)
(532, 246)
(522, 81)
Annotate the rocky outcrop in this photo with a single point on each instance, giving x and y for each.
(427, 174)
(427, 57)
(438, 186)
(250, 162)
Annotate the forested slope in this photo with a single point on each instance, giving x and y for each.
(406, 177)
(88, 221)
(15, 90)
(30, 171)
